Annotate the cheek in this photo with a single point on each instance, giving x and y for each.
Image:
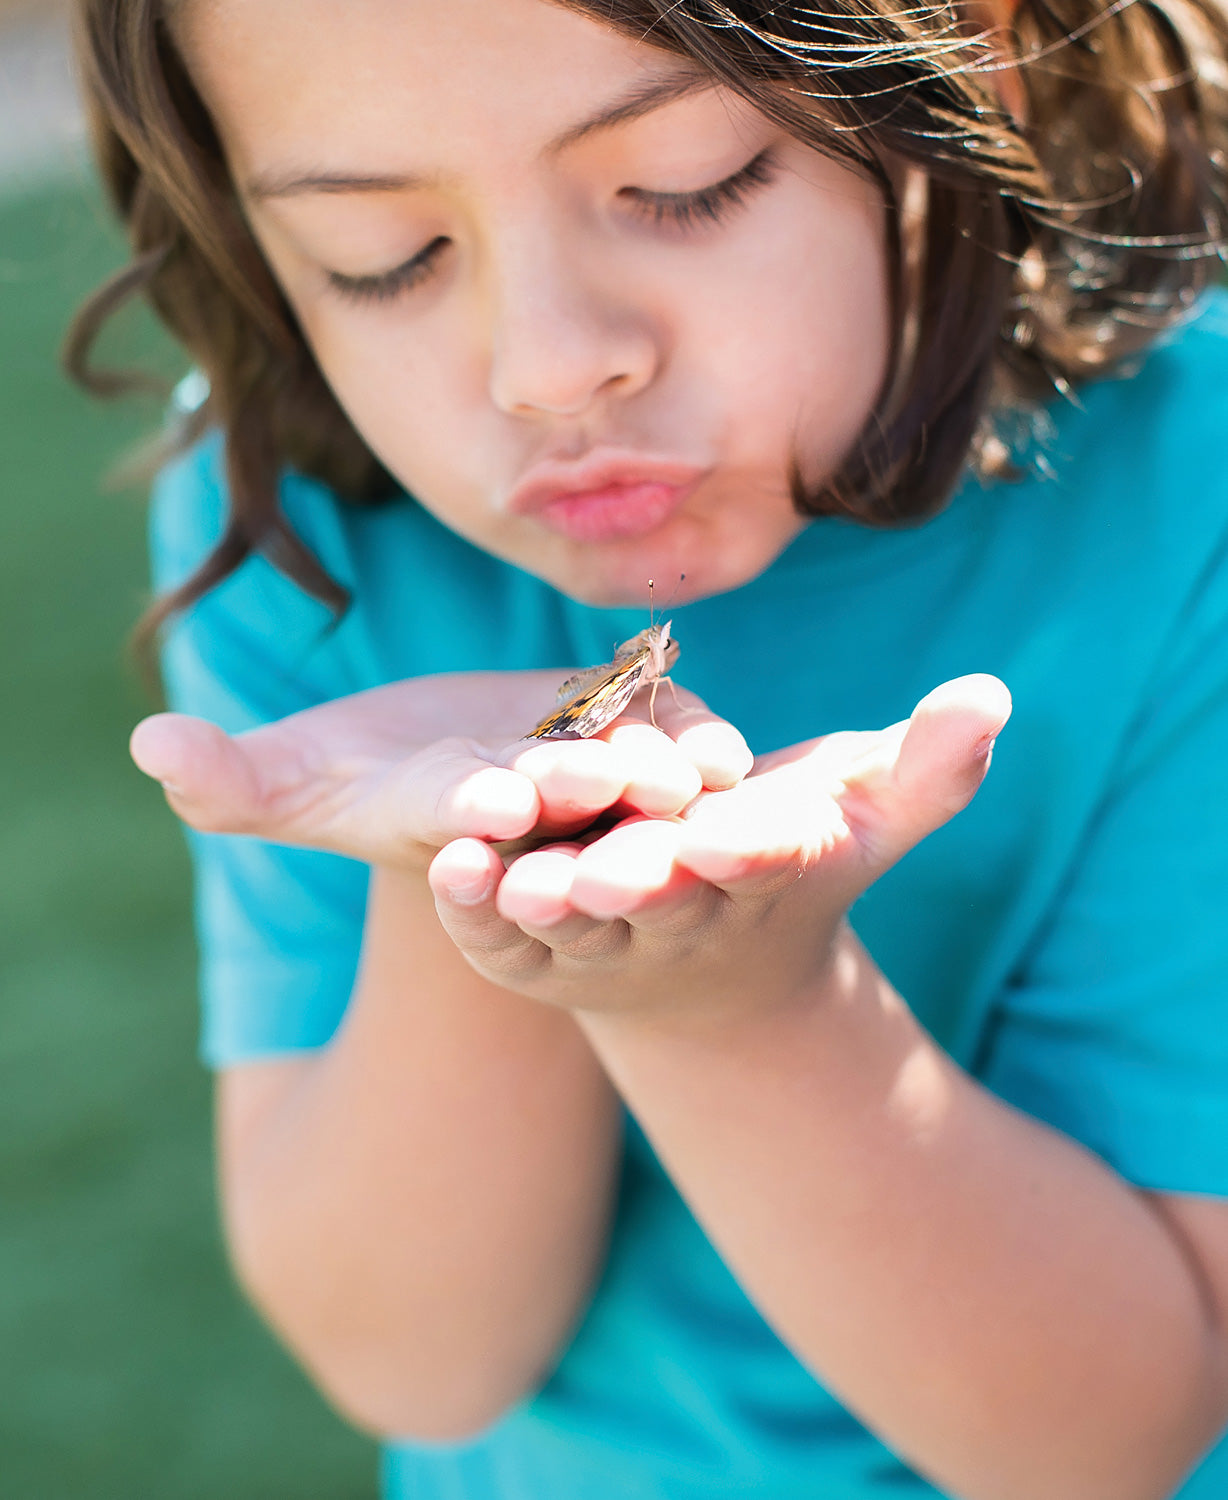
(408, 395)
(409, 390)
(798, 336)
(776, 347)
(834, 336)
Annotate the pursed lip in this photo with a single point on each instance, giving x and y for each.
(598, 473)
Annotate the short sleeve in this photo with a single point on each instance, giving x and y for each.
(279, 928)
(1115, 1029)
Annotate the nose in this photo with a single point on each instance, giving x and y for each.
(564, 336)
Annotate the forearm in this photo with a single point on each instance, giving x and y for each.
(1009, 1315)
(421, 1207)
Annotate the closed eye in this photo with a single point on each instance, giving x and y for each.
(389, 284)
(710, 205)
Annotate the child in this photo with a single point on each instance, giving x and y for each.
(597, 1119)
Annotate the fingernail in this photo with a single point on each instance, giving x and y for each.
(169, 786)
(471, 889)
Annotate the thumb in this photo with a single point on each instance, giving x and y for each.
(209, 780)
(921, 773)
(268, 784)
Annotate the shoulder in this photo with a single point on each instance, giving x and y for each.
(1158, 432)
(1130, 493)
(1141, 511)
(256, 616)
(1187, 364)
(362, 545)
(423, 599)
(188, 511)
(1197, 350)
(255, 646)
(191, 512)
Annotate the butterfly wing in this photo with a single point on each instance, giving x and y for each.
(597, 702)
(585, 679)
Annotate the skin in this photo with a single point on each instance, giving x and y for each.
(1008, 1314)
(560, 317)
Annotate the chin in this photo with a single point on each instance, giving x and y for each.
(676, 581)
(607, 580)
(671, 585)
(602, 593)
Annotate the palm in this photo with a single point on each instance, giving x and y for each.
(392, 774)
(800, 803)
(351, 774)
(856, 800)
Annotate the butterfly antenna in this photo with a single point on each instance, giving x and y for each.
(652, 614)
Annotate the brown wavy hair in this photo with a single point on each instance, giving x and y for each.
(1055, 242)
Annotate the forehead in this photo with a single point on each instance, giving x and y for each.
(402, 84)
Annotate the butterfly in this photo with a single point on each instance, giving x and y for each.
(595, 697)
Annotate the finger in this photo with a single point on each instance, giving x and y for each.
(259, 783)
(946, 747)
(209, 779)
(658, 778)
(464, 878)
(675, 906)
(536, 895)
(925, 771)
(575, 779)
(712, 745)
(448, 791)
(751, 838)
(536, 890)
(631, 871)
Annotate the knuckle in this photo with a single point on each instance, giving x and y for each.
(686, 925)
(770, 890)
(598, 945)
(510, 970)
(493, 939)
(509, 958)
(450, 747)
(441, 809)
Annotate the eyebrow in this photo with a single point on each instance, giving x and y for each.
(641, 100)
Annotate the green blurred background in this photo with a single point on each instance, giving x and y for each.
(130, 1367)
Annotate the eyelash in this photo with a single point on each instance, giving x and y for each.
(710, 205)
(391, 284)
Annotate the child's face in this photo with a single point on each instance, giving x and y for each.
(583, 367)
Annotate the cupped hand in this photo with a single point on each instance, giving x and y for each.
(391, 775)
(738, 902)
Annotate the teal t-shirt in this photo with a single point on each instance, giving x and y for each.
(1065, 938)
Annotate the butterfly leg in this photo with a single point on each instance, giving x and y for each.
(652, 698)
